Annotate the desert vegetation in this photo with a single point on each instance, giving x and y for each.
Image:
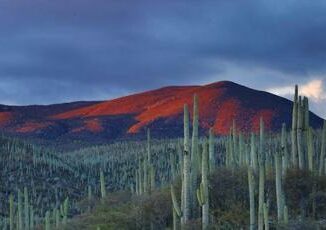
(260, 180)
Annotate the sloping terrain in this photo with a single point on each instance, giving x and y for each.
(161, 109)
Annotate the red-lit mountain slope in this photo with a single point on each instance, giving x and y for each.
(162, 110)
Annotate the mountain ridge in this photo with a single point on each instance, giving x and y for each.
(160, 109)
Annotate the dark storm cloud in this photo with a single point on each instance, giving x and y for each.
(54, 51)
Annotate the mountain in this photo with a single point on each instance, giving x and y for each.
(161, 110)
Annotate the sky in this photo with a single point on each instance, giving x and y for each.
(68, 50)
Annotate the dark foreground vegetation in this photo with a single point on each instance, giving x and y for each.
(241, 181)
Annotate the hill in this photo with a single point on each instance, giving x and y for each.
(160, 109)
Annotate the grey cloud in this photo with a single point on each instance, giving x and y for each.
(101, 49)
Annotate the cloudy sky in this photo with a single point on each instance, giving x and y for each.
(66, 50)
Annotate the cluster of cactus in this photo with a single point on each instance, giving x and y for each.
(145, 174)
(21, 214)
(30, 175)
(191, 164)
(256, 176)
(300, 130)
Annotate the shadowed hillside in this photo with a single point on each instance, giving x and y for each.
(160, 110)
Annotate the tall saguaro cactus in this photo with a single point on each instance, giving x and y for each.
(212, 162)
(176, 207)
(300, 133)
(20, 211)
(261, 199)
(266, 215)
(186, 170)
(294, 141)
(310, 146)
(202, 192)
(102, 184)
(194, 154)
(11, 212)
(279, 191)
(285, 158)
(149, 156)
(47, 221)
(253, 153)
(323, 150)
(251, 183)
(26, 209)
(261, 195)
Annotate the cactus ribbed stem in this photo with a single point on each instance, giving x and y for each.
(251, 183)
(11, 212)
(310, 150)
(266, 215)
(212, 162)
(261, 196)
(300, 134)
(186, 169)
(261, 140)
(26, 209)
(145, 166)
(278, 182)
(204, 188)
(102, 183)
(149, 156)
(194, 155)
(175, 202)
(286, 215)
(47, 220)
(20, 211)
(253, 153)
(284, 150)
(241, 150)
(152, 177)
(175, 219)
(65, 210)
(294, 141)
(235, 143)
(31, 219)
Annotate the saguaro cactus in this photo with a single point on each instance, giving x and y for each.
(261, 195)
(261, 140)
(253, 153)
(65, 210)
(251, 183)
(285, 159)
(294, 141)
(279, 191)
(11, 212)
(323, 149)
(145, 166)
(149, 156)
(286, 215)
(186, 170)
(26, 209)
(194, 154)
(102, 184)
(176, 208)
(20, 211)
(31, 218)
(310, 146)
(47, 220)
(212, 162)
(261, 199)
(202, 192)
(300, 134)
(266, 215)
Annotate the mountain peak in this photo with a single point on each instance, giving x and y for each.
(161, 110)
